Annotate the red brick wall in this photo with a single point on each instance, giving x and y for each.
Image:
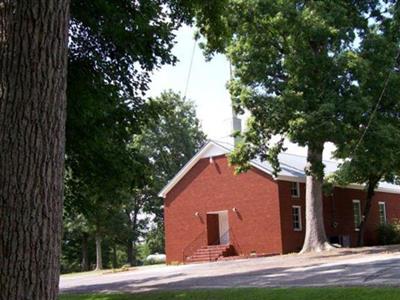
(263, 224)
(291, 240)
(337, 209)
(213, 187)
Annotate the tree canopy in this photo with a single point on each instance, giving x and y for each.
(113, 48)
(372, 153)
(296, 70)
(120, 212)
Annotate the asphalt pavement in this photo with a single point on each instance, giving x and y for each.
(369, 266)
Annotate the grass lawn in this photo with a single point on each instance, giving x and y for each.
(250, 293)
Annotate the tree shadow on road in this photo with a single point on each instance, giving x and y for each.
(380, 272)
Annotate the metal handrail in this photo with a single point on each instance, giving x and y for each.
(233, 241)
(220, 238)
(199, 241)
(217, 241)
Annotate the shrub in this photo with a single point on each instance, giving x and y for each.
(389, 233)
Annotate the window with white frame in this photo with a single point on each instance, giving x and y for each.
(357, 214)
(296, 217)
(295, 190)
(382, 212)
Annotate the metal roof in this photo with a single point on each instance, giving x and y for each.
(292, 168)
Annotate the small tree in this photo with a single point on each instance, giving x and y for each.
(168, 141)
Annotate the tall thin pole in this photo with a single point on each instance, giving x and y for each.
(190, 70)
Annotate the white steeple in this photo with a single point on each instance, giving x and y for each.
(236, 122)
(236, 126)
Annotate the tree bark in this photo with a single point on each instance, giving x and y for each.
(99, 258)
(132, 223)
(134, 254)
(33, 66)
(129, 253)
(315, 238)
(114, 256)
(85, 252)
(368, 202)
(135, 234)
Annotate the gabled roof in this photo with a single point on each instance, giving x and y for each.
(292, 167)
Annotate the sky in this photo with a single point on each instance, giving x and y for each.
(206, 87)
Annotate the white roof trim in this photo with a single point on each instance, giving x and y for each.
(199, 155)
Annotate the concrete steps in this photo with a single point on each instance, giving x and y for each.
(210, 253)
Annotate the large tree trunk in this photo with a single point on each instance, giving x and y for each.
(134, 254)
(135, 235)
(85, 252)
(33, 65)
(315, 238)
(129, 253)
(114, 256)
(99, 258)
(131, 246)
(368, 201)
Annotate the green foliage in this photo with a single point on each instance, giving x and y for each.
(143, 251)
(389, 233)
(168, 141)
(75, 227)
(155, 239)
(100, 124)
(126, 40)
(373, 146)
(296, 70)
(115, 175)
(113, 48)
(171, 139)
(307, 71)
(372, 149)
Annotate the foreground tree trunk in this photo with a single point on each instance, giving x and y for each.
(315, 239)
(372, 183)
(33, 65)
(99, 258)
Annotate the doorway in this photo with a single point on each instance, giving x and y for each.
(217, 228)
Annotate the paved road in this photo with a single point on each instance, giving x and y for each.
(375, 266)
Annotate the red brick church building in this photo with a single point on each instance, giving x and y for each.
(210, 212)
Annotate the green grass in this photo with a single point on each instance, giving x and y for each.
(254, 293)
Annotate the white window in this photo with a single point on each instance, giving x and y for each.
(357, 214)
(296, 217)
(295, 190)
(382, 212)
